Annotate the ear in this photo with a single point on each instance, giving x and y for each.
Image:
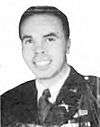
(68, 46)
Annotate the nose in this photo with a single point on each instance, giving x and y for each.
(39, 50)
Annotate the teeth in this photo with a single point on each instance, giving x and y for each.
(42, 63)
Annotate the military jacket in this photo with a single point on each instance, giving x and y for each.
(76, 104)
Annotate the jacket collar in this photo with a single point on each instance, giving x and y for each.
(71, 89)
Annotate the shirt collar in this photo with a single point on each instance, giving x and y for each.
(54, 89)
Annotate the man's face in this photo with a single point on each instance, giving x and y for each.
(43, 45)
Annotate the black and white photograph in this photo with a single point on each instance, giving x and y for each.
(49, 63)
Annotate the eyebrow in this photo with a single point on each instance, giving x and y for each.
(47, 35)
(51, 34)
(26, 36)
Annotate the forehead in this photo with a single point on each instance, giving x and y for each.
(42, 24)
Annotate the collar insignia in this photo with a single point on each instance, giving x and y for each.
(73, 90)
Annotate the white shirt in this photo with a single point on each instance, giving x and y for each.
(54, 89)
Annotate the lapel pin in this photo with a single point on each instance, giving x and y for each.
(64, 105)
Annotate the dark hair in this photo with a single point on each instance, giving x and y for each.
(46, 10)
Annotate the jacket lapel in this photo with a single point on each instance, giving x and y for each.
(70, 89)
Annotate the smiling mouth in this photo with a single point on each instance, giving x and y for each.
(42, 64)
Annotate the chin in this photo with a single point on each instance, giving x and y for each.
(44, 75)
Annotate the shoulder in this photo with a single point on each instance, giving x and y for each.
(17, 102)
(17, 93)
(91, 82)
(83, 81)
(78, 77)
(20, 88)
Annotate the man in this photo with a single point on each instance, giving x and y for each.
(59, 96)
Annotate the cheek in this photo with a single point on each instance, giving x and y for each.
(27, 53)
(57, 51)
(58, 58)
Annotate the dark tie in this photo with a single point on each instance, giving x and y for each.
(50, 114)
(44, 105)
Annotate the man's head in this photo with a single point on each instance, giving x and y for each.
(44, 32)
(49, 10)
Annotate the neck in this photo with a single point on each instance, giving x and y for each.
(55, 79)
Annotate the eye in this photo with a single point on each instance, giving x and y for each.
(50, 39)
(30, 41)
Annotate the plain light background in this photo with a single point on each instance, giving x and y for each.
(84, 21)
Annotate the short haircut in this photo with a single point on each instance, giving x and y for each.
(46, 10)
